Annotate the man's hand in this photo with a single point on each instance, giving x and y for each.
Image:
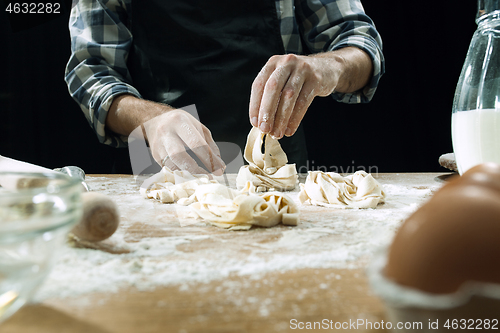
(171, 133)
(287, 84)
(176, 131)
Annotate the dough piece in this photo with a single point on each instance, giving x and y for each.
(169, 186)
(268, 171)
(230, 209)
(359, 190)
(219, 204)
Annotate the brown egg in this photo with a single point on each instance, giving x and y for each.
(487, 174)
(453, 238)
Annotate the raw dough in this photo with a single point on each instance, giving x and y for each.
(268, 171)
(169, 186)
(227, 208)
(359, 190)
(219, 204)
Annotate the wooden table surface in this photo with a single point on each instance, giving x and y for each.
(266, 300)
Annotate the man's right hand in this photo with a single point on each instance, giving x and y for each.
(170, 132)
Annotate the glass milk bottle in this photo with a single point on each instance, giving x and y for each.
(476, 106)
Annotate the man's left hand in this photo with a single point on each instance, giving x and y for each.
(287, 84)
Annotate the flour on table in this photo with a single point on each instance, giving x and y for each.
(195, 255)
(329, 189)
(268, 171)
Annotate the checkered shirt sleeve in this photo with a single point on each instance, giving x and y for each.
(327, 25)
(101, 40)
(97, 71)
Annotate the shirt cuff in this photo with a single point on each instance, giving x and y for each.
(365, 94)
(106, 97)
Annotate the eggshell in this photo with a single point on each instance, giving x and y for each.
(453, 238)
(487, 174)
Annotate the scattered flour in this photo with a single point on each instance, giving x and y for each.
(173, 255)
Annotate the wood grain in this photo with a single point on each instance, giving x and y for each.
(266, 305)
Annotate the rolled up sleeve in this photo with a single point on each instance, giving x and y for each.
(335, 24)
(96, 72)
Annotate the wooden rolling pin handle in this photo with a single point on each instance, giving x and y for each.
(100, 218)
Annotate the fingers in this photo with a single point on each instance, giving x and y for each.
(205, 149)
(168, 163)
(257, 91)
(178, 156)
(288, 99)
(218, 171)
(281, 94)
(183, 161)
(159, 154)
(174, 134)
(303, 102)
(271, 98)
(195, 142)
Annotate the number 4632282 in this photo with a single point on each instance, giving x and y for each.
(33, 8)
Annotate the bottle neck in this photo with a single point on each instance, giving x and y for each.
(490, 19)
(486, 7)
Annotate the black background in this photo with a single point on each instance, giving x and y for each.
(405, 128)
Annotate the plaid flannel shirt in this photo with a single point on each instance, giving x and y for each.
(101, 40)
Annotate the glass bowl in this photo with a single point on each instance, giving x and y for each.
(37, 210)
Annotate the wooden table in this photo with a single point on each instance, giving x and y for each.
(272, 298)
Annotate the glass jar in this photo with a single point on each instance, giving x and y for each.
(476, 106)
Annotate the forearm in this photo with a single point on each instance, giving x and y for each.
(96, 72)
(339, 25)
(352, 66)
(128, 112)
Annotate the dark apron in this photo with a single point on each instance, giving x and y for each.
(207, 53)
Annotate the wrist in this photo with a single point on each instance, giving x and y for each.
(350, 68)
(127, 112)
